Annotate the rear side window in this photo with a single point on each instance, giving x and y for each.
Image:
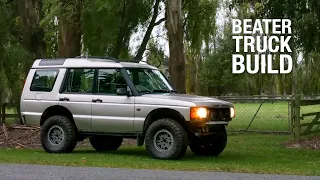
(79, 81)
(43, 80)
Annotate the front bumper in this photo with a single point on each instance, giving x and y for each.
(217, 122)
(206, 128)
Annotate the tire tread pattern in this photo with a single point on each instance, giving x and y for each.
(217, 144)
(179, 135)
(70, 138)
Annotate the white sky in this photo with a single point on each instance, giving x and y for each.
(159, 31)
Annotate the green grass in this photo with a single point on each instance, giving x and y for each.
(11, 111)
(271, 116)
(10, 121)
(244, 153)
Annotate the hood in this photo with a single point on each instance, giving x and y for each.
(198, 100)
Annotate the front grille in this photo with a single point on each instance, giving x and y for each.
(219, 114)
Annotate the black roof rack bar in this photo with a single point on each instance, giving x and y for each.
(130, 60)
(100, 57)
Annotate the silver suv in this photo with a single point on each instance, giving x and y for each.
(106, 100)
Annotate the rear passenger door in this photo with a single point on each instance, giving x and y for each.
(76, 95)
(111, 112)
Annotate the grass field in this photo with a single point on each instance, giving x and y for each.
(271, 116)
(10, 121)
(244, 153)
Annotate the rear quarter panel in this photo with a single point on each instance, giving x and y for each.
(34, 103)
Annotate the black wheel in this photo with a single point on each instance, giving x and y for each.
(58, 135)
(106, 143)
(211, 145)
(166, 139)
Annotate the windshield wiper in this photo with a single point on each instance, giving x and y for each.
(165, 91)
(145, 91)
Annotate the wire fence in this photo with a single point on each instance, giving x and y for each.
(262, 114)
(265, 114)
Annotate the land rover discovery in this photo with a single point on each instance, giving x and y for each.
(106, 100)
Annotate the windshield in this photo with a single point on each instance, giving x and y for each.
(149, 80)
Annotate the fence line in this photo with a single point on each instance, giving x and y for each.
(4, 115)
(261, 114)
(303, 113)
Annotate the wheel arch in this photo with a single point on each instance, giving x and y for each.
(56, 110)
(161, 113)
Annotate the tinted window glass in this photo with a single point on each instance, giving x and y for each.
(149, 80)
(43, 80)
(109, 80)
(79, 81)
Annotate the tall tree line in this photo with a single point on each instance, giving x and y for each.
(60, 28)
(216, 77)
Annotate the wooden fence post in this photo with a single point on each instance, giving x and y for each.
(293, 115)
(297, 118)
(3, 113)
(0, 113)
(290, 115)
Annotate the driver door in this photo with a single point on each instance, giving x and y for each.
(111, 112)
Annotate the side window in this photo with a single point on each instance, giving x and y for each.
(138, 76)
(79, 81)
(109, 80)
(143, 78)
(43, 80)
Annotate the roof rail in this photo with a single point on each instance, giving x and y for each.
(100, 57)
(130, 60)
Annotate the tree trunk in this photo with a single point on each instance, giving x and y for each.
(69, 44)
(30, 12)
(191, 74)
(197, 74)
(175, 34)
(284, 87)
(146, 37)
(1, 101)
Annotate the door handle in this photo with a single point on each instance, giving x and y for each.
(96, 100)
(64, 99)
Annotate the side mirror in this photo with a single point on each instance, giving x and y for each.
(122, 92)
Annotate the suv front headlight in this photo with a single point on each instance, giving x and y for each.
(198, 113)
(232, 112)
